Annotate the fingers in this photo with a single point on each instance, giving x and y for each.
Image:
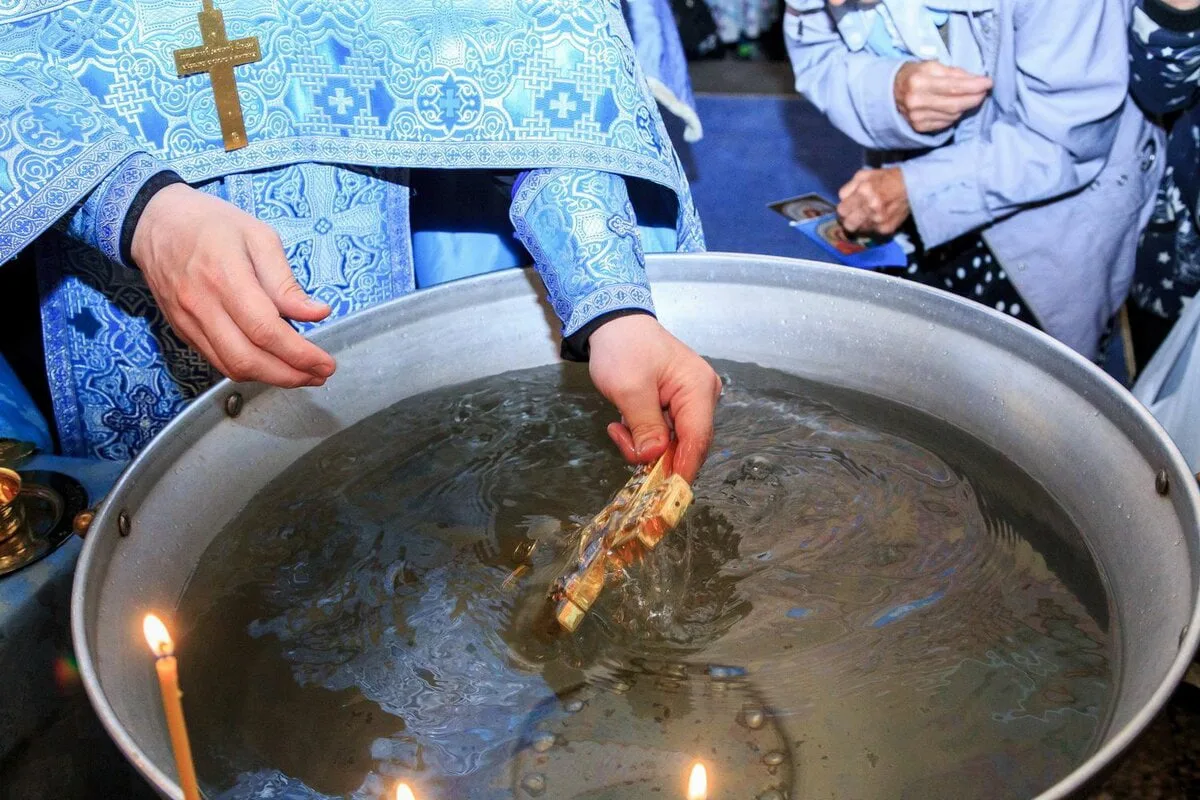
(187, 328)
(878, 205)
(932, 96)
(658, 385)
(247, 304)
(933, 75)
(275, 275)
(954, 85)
(855, 209)
(853, 184)
(623, 439)
(240, 359)
(693, 419)
(222, 280)
(952, 105)
(853, 216)
(644, 421)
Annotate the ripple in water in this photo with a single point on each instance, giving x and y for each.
(861, 603)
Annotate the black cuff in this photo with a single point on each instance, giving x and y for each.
(1172, 18)
(157, 181)
(576, 348)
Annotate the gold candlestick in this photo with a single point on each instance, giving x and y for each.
(168, 682)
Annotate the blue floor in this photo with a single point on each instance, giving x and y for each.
(735, 173)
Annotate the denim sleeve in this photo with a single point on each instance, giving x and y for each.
(1051, 140)
(579, 226)
(1164, 57)
(100, 218)
(853, 88)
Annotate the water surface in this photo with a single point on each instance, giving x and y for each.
(861, 603)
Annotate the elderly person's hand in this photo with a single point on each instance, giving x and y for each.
(932, 96)
(875, 201)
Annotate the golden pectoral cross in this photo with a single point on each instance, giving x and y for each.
(218, 56)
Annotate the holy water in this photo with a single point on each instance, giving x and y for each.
(862, 602)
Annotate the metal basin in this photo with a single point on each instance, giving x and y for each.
(1067, 424)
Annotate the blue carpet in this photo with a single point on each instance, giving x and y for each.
(757, 149)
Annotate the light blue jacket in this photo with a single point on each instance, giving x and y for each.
(1058, 167)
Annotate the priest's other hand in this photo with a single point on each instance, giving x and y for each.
(932, 96)
(644, 370)
(875, 201)
(222, 280)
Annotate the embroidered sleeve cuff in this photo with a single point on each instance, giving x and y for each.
(945, 198)
(1172, 18)
(100, 220)
(157, 182)
(873, 83)
(580, 228)
(621, 297)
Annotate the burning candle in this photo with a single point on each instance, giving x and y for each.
(404, 793)
(698, 783)
(168, 682)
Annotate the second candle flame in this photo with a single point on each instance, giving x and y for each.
(157, 636)
(404, 793)
(698, 783)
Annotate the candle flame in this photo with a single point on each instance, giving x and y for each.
(404, 793)
(698, 783)
(157, 636)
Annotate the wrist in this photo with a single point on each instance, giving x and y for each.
(578, 346)
(145, 214)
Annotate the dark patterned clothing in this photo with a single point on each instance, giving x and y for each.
(1164, 47)
(966, 267)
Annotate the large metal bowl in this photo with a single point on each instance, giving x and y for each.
(1066, 423)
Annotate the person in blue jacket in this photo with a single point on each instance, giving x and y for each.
(1001, 141)
(1164, 59)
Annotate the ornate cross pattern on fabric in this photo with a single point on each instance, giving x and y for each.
(218, 56)
(450, 23)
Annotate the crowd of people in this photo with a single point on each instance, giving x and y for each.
(1019, 150)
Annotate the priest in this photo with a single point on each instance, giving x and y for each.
(200, 182)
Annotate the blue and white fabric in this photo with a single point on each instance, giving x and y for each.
(350, 98)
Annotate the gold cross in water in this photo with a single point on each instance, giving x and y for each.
(218, 56)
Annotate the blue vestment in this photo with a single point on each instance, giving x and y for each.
(352, 107)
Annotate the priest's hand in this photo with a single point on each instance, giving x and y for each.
(644, 370)
(875, 201)
(222, 280)
(932, 96)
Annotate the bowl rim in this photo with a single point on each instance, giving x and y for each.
(665, 269)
